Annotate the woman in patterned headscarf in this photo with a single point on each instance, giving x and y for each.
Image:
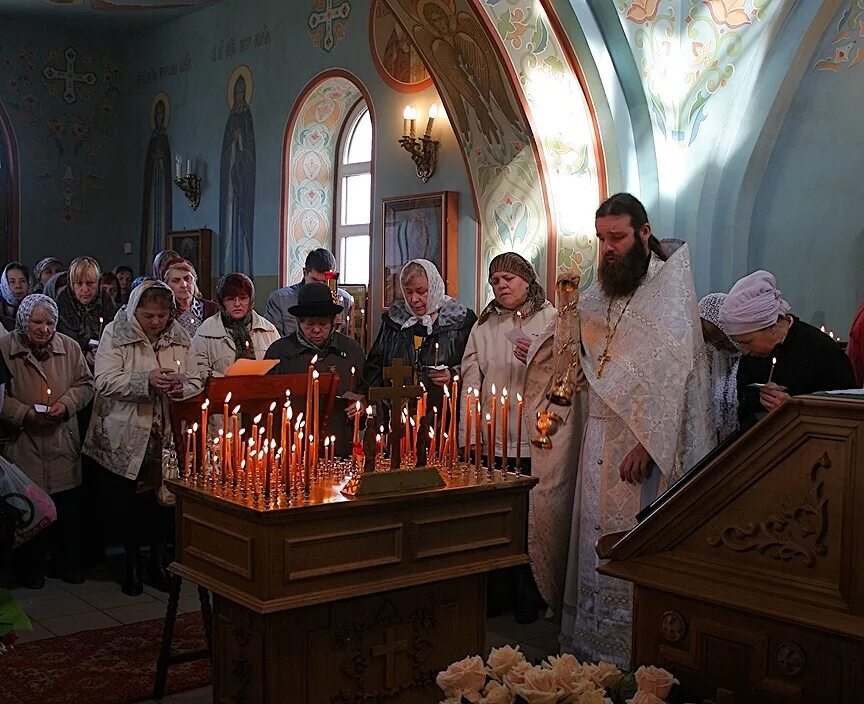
(14, 285)
(426, 328)
(43, 271)
(723, 359)
(43, 435)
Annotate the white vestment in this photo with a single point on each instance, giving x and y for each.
(654, 390)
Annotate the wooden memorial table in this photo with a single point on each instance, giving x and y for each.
(348, 600)
(748, 572)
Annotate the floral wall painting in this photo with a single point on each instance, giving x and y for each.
(156, 212)
(848, 43)
(327, 21)
(237, 177)
(687, 53)
(395, 55)
(310, 164)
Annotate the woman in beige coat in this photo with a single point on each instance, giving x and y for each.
(42, 430)
(144, 360)
(236, 332)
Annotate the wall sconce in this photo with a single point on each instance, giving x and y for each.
(423, 151)
(190, 184)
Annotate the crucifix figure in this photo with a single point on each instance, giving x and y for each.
(396, 393)
(327, 17)
(603, 358)
(69, 76)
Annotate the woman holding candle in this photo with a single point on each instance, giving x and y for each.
(137, 376)
(426, 329)
(316, 338)
(192, 309)
(84, 308)
(236, 332)
(42, 431)
(755, 317)
(498, 345)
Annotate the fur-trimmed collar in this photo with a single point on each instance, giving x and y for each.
(451, 314)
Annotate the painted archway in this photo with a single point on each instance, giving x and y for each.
(9, 189)
(309, 166)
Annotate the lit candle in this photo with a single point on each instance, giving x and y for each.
(411, 117)
(494, 410)
(268, 438)
(478, 434)
(771, 373)
(327, 448)
(47, 398)
(235, 429)
(433, 113)
(469, 415)
(101, 326)
(434, 447)
(187, 456)
(351, 387)
(444, 424)
(224, 422)
(205, 407)
(177, 163)
(316, 415)
(406, 117)
(194, 450)
(518, 322)
(356, 438)
(504, 439)
(436, 354)
(519, 432)
(305, 451)
(490, 462)
(453, 429)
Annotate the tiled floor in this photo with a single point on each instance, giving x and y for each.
(61, 609)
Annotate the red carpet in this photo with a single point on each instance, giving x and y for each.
(110, 666)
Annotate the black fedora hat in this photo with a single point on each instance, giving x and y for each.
(315, 300)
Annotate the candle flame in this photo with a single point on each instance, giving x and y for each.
(476, 393)
(353, 370)
(357, 406)
(381, 429)
(469, 390)
(189, 430)
(227, 396)
(236, 410)
(195, 427)
(503, 401)
(377, 437)
(257, 419)
(493, 389)
(287, 393)
(412, 423)
(272, 406)
(229, 436)
(290, 413)
(242, 464)
(314, 359)
(221, 432)
(215, 441)
(49, 392)
(251, 442)
(326, 442)
(504, 392)
(431, 433)
(368, 411)
(447, 391)
(519, 397)
(242, 431)
(315, 374)
(101, 320)
(205, 405)
(435, 409)
(436, 345)
(773, 360)
(455, 377)
(488, 418)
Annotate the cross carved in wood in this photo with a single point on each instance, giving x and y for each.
(69, 76)
(397, 393)
(389, 650)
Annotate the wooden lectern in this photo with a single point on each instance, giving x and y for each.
(749, 573)
(348, 600)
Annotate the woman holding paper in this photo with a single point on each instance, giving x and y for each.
(50, 383)
(144, 361)
(235, 332)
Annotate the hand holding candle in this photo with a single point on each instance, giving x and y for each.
(771, 373)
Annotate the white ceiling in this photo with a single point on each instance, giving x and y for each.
(113, 14)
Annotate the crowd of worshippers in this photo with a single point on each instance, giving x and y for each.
(103, 355)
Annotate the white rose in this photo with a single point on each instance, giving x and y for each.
(540, 687)
(502, 660)
(462, 678)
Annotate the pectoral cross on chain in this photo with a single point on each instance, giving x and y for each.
(603, 358)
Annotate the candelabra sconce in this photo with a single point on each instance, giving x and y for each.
(423, 149)
(190, 184)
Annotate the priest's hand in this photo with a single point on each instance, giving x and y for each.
(636, 465)
(772, 396)
(520, 349)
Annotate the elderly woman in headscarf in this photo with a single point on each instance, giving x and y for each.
(145, 361)
(14, 285)
(85, 310)
(497, 348)
(316, 337)
(426, 328)
(192, 309)
(236, 332)
(723, 359)
(44, 270)
(783, 356)
(42, 431)
(55, 285)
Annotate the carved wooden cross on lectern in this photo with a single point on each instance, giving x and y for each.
(396, 393)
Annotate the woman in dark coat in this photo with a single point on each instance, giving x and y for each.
(428, 330)
(316, 336)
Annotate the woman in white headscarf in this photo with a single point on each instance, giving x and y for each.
(426, 328)
(783, 356)
(723, 359)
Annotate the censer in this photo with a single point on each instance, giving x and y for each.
(562, 384)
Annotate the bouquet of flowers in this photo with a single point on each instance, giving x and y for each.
(508, 678)
(12, 619)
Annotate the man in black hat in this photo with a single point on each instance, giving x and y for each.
(316, 334)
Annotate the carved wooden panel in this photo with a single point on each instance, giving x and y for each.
(759, 660)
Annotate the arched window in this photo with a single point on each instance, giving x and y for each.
(352, 234)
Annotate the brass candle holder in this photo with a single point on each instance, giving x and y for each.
(190, 184)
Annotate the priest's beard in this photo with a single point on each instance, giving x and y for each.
(621, 274)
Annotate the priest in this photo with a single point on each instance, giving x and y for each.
(649, 412)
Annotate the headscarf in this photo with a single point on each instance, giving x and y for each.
(514, 263)
(753, 303)
(41, 265)
(5, 290)
(60, 279)
(80, 321)
(435, 296)
(723, 368)
(22, 320)
(240, 331)
(190, 319)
